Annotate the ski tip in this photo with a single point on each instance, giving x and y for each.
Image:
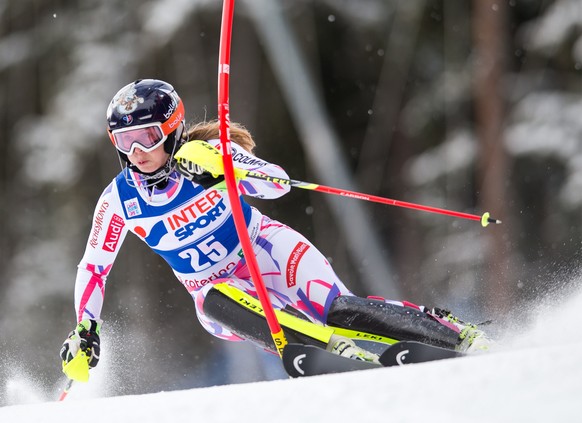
(307, 360)
(409, 352)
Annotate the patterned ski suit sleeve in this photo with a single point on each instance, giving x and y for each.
(255, 187)
(105, 238)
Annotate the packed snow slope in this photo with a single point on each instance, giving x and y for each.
(535, 377)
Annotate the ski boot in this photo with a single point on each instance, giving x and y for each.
(345, 347)
(471, 339)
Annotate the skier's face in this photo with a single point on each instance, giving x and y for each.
(149, 162)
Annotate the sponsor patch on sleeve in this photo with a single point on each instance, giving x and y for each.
(116, 225)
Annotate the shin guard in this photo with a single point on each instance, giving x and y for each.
(243, 315)
(390, 320)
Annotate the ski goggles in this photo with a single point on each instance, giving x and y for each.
(146, 137)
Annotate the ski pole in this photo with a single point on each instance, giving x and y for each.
(485, 219)
(66, 390)
(230, 179)
(207, 156)
(76, 369)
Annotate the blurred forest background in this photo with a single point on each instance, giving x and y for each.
(472, 106)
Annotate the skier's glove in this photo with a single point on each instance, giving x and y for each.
(83, 341)
(198, 174)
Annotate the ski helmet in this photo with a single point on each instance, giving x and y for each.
(145, 114)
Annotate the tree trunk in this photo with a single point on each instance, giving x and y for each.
(490, 29)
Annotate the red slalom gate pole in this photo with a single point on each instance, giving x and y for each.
(229, 177)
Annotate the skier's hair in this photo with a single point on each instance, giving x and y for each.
(209, 131)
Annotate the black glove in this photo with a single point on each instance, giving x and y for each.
(84, 338)
(197, 174)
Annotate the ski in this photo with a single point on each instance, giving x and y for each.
(409, 352)
(307, 360)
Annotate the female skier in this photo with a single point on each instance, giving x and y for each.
(187, 220)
